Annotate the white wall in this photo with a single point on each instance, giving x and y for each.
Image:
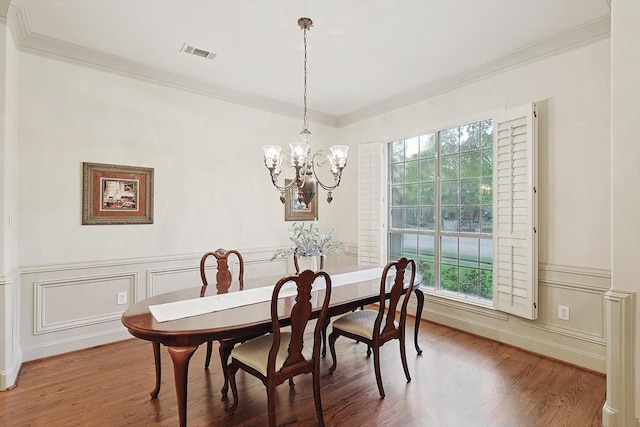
(72, 114)
(572, 91)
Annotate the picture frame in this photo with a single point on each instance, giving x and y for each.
(116, 194)
(296, 211)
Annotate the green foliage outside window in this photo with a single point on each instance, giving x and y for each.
(441, 195)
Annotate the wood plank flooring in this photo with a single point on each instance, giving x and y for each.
(460, 380)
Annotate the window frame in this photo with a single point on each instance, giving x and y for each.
(439, 232)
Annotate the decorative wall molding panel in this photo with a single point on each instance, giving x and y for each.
(72, 303)
(580, 341)
(619, 408)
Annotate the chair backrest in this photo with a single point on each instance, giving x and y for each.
(399, 288)
(301, 312)
(223, 274)
(295, 261)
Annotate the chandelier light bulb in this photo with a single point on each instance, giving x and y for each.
(272, 158)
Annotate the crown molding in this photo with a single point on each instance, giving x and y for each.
(57, 49)
(15, 17)
(580, 36)
(4, 10)
(26, 41)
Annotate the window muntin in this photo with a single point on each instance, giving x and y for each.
(441, 211)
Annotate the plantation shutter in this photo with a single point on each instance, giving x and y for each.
(372, 195)
(515, 275)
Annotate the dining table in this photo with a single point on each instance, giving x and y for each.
(182, 320)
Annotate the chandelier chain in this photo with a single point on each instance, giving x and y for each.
(306, 126)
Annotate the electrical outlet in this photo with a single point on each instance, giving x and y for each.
(122, 298)
(563, 312)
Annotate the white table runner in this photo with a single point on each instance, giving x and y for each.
(197, 306)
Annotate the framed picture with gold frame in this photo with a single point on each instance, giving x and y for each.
(115, 194)
(298, 211)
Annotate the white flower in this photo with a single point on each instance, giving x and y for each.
(310, 242)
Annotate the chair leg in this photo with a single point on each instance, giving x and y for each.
(207, 359)
(225, 353)
(271, 403)
(403, 356)
(376, 364)
(231, 374)
(316, 395)
(332, 347)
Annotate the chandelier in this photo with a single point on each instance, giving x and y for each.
(300, 158)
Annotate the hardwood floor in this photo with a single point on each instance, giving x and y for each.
(459, 380)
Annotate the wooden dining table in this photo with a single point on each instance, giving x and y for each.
(182, 336)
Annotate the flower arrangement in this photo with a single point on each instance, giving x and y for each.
(310, 242)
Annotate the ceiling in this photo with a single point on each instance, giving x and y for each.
(364, 56)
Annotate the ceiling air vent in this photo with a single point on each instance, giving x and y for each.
(198, 52)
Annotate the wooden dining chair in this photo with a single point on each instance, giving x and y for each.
(327, 320)
(282, 355)
(223, 284)
(376, 327)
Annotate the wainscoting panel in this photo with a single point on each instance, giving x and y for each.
(65, 304)
(163, 280)
(69, 307)
(580, 340)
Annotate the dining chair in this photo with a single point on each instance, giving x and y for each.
(327, 320)
(376, 327)
(223, 284)
(282, 354)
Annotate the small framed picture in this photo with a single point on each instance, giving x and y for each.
(114, 194)
(295, 210)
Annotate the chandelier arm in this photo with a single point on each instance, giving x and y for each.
(337, 177)
(283, 187)
(301, 173)
(323, 158)
(320, 159)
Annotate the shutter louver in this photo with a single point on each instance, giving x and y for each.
(515, 207)
(371, 204)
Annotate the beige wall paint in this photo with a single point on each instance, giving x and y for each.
(211, 186)
(571, 90)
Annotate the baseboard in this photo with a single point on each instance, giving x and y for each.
(73, 344)
(495, 326)
(9, 377)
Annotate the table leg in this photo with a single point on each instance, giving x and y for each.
(181, 357)
(156, 357)
(420, 297)
(325, 325)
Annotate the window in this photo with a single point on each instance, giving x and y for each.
(441, 211)
(461, 201)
